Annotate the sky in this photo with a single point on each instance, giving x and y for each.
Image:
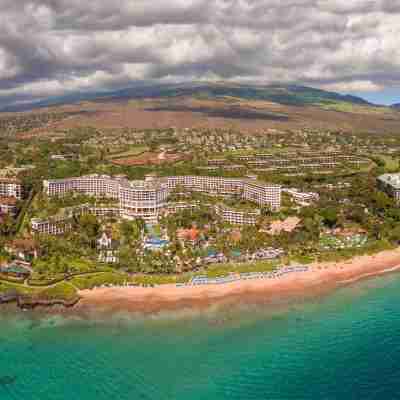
(57, 47)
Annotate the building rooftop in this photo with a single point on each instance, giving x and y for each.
(259, 183)
(391, 179)
(10, 180)
(10, 201)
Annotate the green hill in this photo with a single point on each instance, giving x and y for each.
(293, 95)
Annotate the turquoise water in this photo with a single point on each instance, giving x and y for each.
(343, 346)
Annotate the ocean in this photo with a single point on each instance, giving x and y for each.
(345, 345)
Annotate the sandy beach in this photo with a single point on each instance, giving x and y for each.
(320, 277)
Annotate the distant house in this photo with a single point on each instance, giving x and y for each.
(214, 258)
(390, 183)
(16, 270)
(155, 244)
(108, 256)
(105, 241)
(302, 198)
(63, 157)
(188, 235)
(23, 249)
(108, 248)
(11, 187)
(8, 205)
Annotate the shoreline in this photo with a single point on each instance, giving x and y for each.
(321, 277)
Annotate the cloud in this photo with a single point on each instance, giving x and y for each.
(52, 47)
(354, 86)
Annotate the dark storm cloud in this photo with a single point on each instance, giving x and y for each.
(51, 47)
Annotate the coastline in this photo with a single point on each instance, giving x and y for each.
(321, 277)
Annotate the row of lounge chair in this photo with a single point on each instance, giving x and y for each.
(204, 280)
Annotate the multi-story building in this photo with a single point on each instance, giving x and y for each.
(60, 223)
(237, 217)
(390, 184)
(207, 184)
(217, 161)
(302, 197)
(104, 211)
(263, 194)
(11, 187)
(8, 205)
(143, 199)
(146, 199)
(175, 207)
(92, 185)
(51, 226)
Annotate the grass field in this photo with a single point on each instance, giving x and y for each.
(61, 291)
(391, 164)
(216, 270)
(7, 286)
(101, 278)
(161, 279)
(354, 108)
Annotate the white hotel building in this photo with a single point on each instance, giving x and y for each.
(390, 184)
(51, 226)
(143, 199)
(11, 187)
(302, 198)
(237, 217)
(148, 198)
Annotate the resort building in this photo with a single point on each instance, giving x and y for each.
(8, 205)
(147, 199)
(63, 157)
(303, 160)
(217, 161)
(92, 185)
(188, 235)
(143, 199)
(62, 223)
(104, 211)
(237, 217)
(23, 249)
(390, 184)
(175, 207)
(11, 187)
(108, 248)
(207, 184)
(262, 194)
(51, 226)
(302, 198)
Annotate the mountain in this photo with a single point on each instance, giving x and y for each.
(396, 106)
(281, 94)
(291, 95)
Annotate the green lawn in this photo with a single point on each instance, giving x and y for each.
(391, 164)
(61, 291)
(354, 108)
(95, 280)
(6, 286)
(134, 151)
(216, 270)
(161, 279)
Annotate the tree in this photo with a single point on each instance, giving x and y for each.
(394, 234)
(381, 201)
(90, 225)
(7, 225)
(130, 231)
(357, 214)
(330, 216)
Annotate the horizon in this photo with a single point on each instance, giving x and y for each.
(387, 97)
